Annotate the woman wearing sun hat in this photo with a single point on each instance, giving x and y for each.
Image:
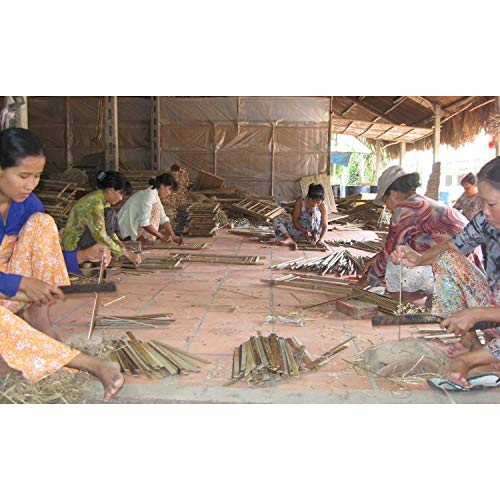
(416, 221)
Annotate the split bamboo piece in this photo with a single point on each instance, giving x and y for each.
(144, 321)
(335, 286)
(251, 260)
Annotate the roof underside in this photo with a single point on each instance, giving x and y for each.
(410, 118)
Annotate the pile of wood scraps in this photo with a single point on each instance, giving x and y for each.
(152, 358)
(366, 215)
(148, 263)
(256, 232)
(373, 246)
(140, 322)
(219, 259)
(341, 263)
(206, 180)
(203, 218)
(57, 198)
(258, 209)
(337, 286)
(261, 359)
(159, 245)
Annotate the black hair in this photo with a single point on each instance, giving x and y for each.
(470, 178)
(491, 173)
(316, 192)
(405, 184)
(17, 144)
(165, 179)
(116, 180)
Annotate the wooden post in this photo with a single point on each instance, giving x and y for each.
(402, 151)
(273, 131)
(329, 155)
(497, 138)
(436, 138)
(378, 158)
(155, 133)
(68, 136)
(215, 149)
(111, 151)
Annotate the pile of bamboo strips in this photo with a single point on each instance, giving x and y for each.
(152, 358)
(144, 321)
(249, 260)
(338, 286)
(373, 246)
(261, 359)
(339, 263)
(203, 218)
(169, 263)
(57, 198)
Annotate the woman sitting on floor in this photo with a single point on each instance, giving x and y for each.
(143, 213)
(416, 221)
(91, 220)
(31, 261)
(463, 295)
(309, 220)
(470, 202)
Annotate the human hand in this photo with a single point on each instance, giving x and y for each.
(95, 253)
(362, 282)
(178, 239)
(406, 256)
(308, 235)
(40, 292)
(135, 258)
(461, 321)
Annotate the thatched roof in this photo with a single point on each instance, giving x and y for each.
(462, 118)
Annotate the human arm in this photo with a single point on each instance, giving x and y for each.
(406, 256)
(96, 224)
(168, 228)
(324, 224)
(462, 321)
(295, 219)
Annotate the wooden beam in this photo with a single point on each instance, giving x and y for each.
(329, 158)
(111, 151)
(68, 136)
(497, 138)
(436, 134)
(371, 109)
(450, 111)
(421, 101)
(273, 142)
(402, 152)
(397, 102)
(155, 133)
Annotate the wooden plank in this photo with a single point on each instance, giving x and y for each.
(324, 180)
(206, 180)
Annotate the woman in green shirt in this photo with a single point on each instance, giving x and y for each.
(88, 221)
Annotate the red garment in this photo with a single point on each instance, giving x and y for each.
(420, 223)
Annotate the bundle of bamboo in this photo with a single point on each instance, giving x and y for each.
(57, 198)
(261, 359)
(152, 358)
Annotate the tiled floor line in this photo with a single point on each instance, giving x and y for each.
(151, 300)
(212, 297)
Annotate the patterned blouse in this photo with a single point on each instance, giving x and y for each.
(468, 205)
(420, 223)
(88, 212)
(477, 232)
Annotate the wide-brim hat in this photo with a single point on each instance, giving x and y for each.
(389, 175)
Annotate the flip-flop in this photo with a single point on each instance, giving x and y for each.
(444, 384)
(486, 381)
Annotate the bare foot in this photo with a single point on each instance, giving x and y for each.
(468, 342)
(109, 374)
(4, 367)
(458, 371)
(287, 242)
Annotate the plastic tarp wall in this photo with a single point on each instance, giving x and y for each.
(47, 119)
(259, 144)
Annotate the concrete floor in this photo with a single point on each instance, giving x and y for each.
(195, 295)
